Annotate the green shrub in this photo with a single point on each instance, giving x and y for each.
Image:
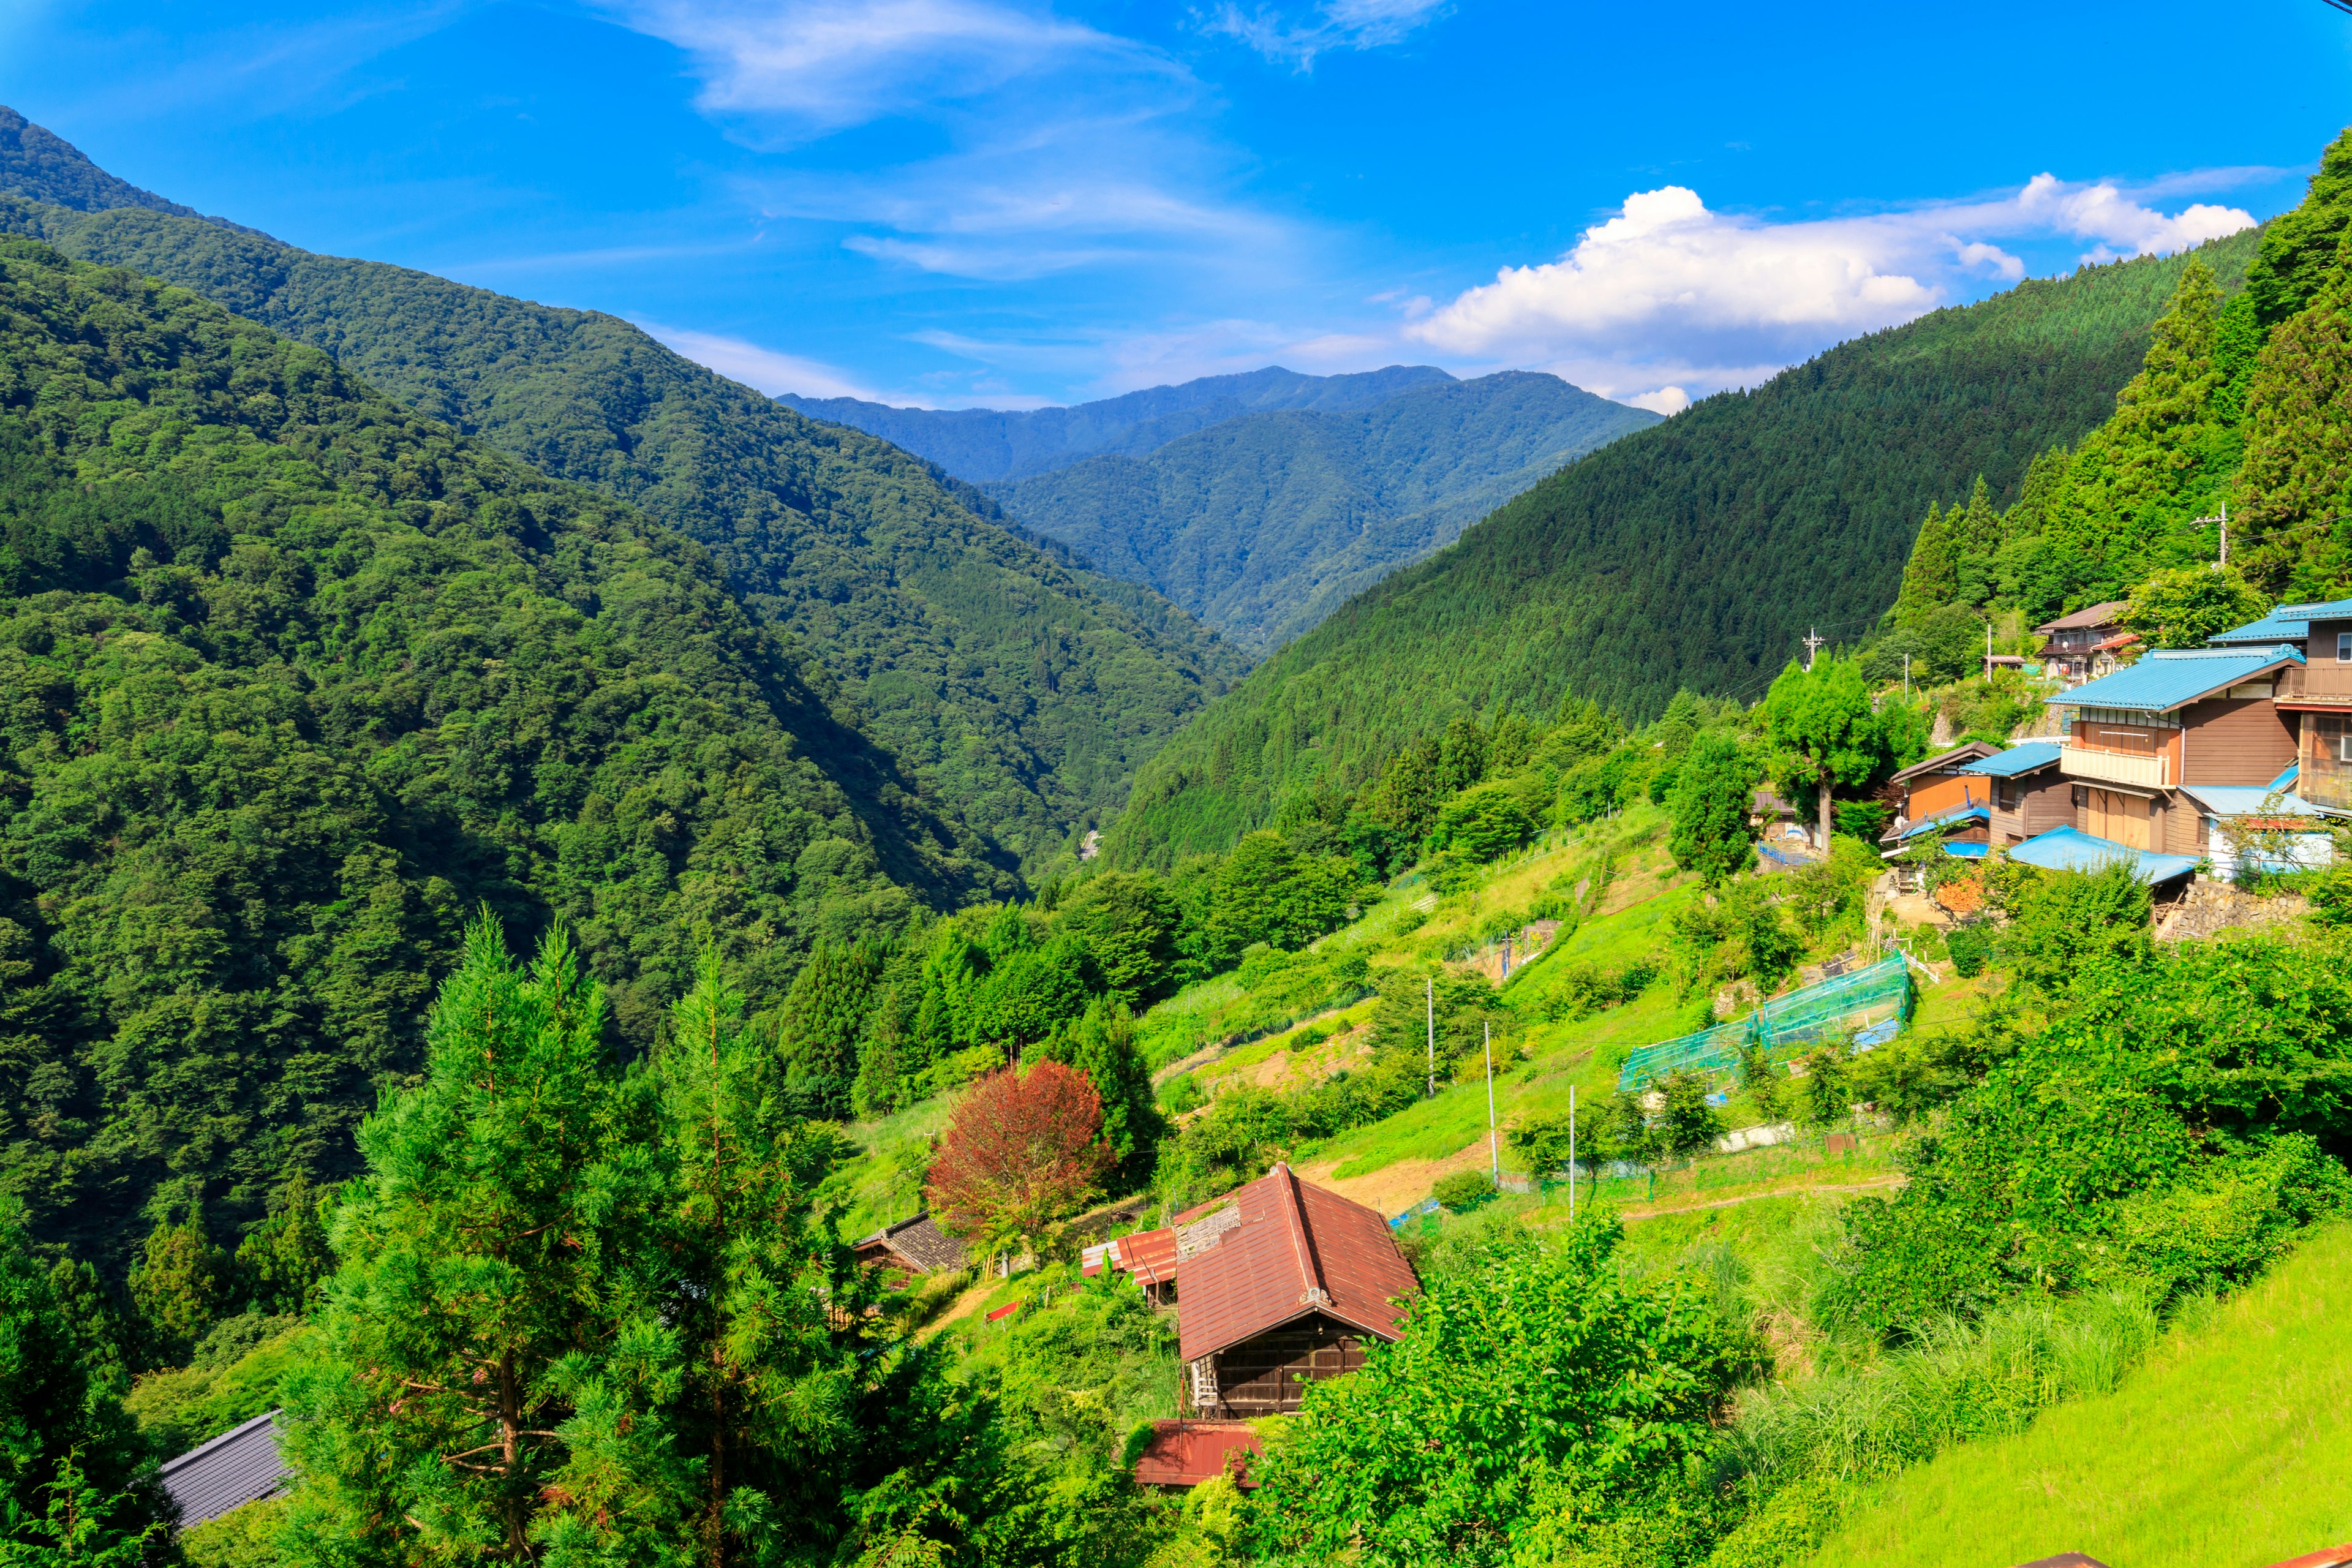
(1970, 948)
(1464, 1190)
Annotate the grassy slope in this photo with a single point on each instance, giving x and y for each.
(2232, 1445)
(1691, 554)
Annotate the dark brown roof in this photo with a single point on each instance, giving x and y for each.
(1942, 760)
(1186, 1452)
(918, 1242)
(2096, 615)
(1290, 1250)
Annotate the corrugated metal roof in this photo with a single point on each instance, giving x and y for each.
(1149, 1255)
(1296, 1250)
(2071, 849)
(240, 1465)
(2019, 759)
(2096, 615)
(2248, 800)
(2280, 625)
(2175, 677)
(1186, 1452)
(1977, 812)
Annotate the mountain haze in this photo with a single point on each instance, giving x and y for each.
(1020, 687)
(1692, 554)
(1262, 524)
(985, 445)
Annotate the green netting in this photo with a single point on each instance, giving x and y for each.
(1869, 1002)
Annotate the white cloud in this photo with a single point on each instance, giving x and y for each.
(826, 64)
(1333, 26)
(1668, 300)
(1668, 400)
(761, 368)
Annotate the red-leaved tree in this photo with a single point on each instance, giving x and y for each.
(1022, 1151)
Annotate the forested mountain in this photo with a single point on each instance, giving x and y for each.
(2237, 412)
(295, 681)
(984, 444)
(1264, 523)
(1693, 555)
(1020, 687)
(36, 162)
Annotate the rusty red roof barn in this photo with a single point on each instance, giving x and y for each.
(1277, 1285)
(1186, 1452)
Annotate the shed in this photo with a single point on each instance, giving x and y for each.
(911, 1247)
(1281, 1284)
(1150, 1257)
(1186, 1452)
(1941, 784)
(240, 1465)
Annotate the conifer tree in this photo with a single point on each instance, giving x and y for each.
(1932, 575)
(1710, 803)
(2299, 248)
(181, 1285)
(495, 1367)
(1101, 1045)
(823, 1015)
(2297, 474)
(285, 1258)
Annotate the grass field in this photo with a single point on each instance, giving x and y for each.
(2230, 1447)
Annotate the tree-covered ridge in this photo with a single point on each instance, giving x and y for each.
(1023, 688)
(2239, 408)
(1260, 525)
(1694, 555)
(985, 446)
(296, 679)
(36, 162)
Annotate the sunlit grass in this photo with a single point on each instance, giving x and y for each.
(2231, 1445)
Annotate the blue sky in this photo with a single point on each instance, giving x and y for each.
(951, 202)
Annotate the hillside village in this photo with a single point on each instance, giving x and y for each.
(507, 1056)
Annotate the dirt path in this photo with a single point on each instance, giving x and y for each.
(1883, 1182)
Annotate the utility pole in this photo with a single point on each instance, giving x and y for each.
(1494, 1143)
(1432, 984)
(1988, 653)
(1506, 958)
(2223, 521)
(1812, 640)
(1906, 677)
(1571, 1156)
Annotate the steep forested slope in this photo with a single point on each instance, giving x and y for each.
(986, 445)
(295, 679)
(1262, 524)
(1024, 690)
(1692, 554)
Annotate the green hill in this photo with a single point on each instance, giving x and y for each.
(1264, 523)
(986, 445)
(2227, 1449)
(296, 680)
(1693, 555)
(1023, 688)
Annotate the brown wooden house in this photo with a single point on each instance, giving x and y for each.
(2320, 696)
(2086, 645)
(1280, 1284)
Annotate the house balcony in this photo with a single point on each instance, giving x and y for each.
(2327, 681)
(2134, 770)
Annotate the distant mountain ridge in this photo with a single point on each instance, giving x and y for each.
(1263, 523)
(1020, 689)
(987, 445)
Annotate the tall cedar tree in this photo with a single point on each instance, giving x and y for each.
(2298, 470)
(1101, 1045)
(63, 1433)
(823, 1013)
(1710, 806)
(1024, 1151)
(1823, 731)
(494, 1366)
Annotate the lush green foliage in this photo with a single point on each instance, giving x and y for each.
(293, 678)
(1537, 1395)
(1693, 555)
(1262, 525)
(1022, 689)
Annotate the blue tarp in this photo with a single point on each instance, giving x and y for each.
(2175, 677)
(2017, 760)
(2069, 849)
(1966, 851)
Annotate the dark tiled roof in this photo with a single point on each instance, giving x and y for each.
(239, 1466)
(1294, 1249)
(1943, 761)
(918, 1242)
(2097, 616)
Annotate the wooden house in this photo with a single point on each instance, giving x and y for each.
(2318, 696)
(2180, 717)
(2026, 793)
(1941, 784)
(2086, 645)
(1279, 1284)
(910, 1248)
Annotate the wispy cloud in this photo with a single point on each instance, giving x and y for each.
(1667, 298)
(763, 369)
(1282, 34)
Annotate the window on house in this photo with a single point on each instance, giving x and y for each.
(2344, 648)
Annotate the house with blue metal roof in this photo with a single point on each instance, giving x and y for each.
(2028, 793)
(2180, 717)
(2318, 700)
